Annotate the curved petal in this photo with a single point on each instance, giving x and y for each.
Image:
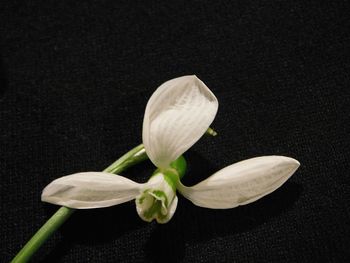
(241, 183)
(170, 213)
(90, 190)
(177, 115)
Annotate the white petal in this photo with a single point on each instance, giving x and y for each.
(241, 183)
(90, 190)
(177, 115)
(170, 213)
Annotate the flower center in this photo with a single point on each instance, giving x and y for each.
(155, 203)
(159, 200)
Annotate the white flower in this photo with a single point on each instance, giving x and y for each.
(177, 115)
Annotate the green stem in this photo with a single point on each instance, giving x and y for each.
(136, 155)
(211, 132)
(43, 234)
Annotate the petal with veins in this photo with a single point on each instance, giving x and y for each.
(91, 190)
(177, 115)
(241, 183)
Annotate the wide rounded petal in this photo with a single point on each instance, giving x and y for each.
(90, 190)
(241, 183)
(177, 115)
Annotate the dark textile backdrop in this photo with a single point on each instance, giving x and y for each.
(75, 79)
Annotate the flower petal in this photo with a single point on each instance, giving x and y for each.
(241, 183)
(90, 190)
(177, 115)
(170, 213)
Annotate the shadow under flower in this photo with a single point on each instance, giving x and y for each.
(94, 226)
(3, 79)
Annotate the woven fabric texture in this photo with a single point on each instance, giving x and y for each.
(75, 77)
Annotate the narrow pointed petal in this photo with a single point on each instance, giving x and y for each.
(90, 190)
(178, 113)
(241, 183)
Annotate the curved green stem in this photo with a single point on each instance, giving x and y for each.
(134, 156)
(43, 234)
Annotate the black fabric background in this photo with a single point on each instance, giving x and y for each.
(75, 79)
